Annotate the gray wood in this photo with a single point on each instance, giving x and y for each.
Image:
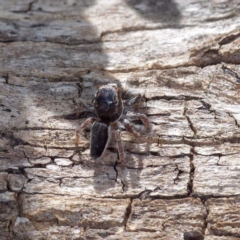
(181, 181)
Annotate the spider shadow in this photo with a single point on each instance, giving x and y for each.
(130, 176)
(156, 10)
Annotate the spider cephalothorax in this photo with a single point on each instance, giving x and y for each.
(108, 103)
(109, 108)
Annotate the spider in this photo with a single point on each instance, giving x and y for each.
(109, 109)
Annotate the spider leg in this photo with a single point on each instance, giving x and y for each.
(130, 128)
(145, 121)
(120, 146)
(82, 105)
(135, 100)
(142, 117)
(89, 107)
(81, 128)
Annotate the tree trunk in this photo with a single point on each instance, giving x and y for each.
(181, 181)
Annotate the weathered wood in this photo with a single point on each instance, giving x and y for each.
(181, 181)
(223, 217)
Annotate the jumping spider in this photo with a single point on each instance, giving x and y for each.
(109, 109)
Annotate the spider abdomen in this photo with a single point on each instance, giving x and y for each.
(99, 139)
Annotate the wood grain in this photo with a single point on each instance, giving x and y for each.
(181, 181)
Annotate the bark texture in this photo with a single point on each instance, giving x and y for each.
(181, 181)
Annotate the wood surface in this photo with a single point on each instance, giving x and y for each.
(181, 181)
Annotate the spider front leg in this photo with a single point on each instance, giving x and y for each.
(144, 120)
(142, 117)
(84, 125)
(130, 128)
(134, 101)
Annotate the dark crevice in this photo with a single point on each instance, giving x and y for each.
(39, 165)
(112, 179)
(7, 78)
(115, 169)
(47, 193)
(19, 170)
(191, 174)
(210, 141)
(144, 28)
(228, 39)
(127, 214)
(77, 177)
(205, 218)
(191, 125)
(205, 106)
(190, 122)
(219, 158)
(25, 155)
(160, 197)
(6, 110)
(180, 97)
(123, 186)
(80, 88)
(227, 140)
(10, 84)
(145, 194)
(10, 228)
(27, 10)
(207, 58)
(54, 41)
(225, 233)
(41, 129)
(235, 120)
(179, 172)
(227, 70)
(211, 57)
(50, 157)
(60, 182)
(38, 25)
(154, 153)
(8, 185)
(204, 198)
(193, 235)
(163, 226)
(26, 176)
(19, 204)
(177, 196)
